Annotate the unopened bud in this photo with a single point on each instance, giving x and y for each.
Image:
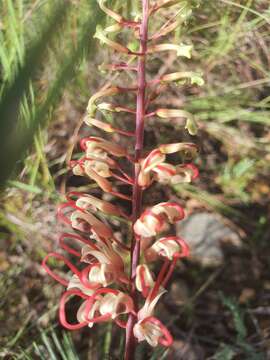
(181, 50)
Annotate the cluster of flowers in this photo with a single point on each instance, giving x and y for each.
(101, 279)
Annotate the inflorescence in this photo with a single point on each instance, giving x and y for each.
(113, 277)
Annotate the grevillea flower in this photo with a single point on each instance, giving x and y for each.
(154, 166)
(156, 219)
(103, 305)
(170, 247)
(109, 277)
(150, 328)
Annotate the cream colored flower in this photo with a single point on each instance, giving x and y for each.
(150, 328)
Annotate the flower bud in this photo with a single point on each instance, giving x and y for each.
(106, 92)
(87, 201)
(144, 280)
(84, 221)
(188, 149)
(181, 50)
(99, 124)
(195, 78)
(95, 144)
(103, 183)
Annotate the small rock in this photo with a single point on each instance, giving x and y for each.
(205, 232)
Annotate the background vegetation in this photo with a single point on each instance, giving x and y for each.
(48, 70)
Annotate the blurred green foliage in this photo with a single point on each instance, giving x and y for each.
(55, 47)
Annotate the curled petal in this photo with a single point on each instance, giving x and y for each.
(89, 202)
(164, 172)
(103, 274)
(114, 301)
(62, 310)
(149, 163)
(91, 107)
(76, 237)
(77, 169)
(185, 173)
(89, 310)
(149, 224)
(112, 261)
(171, 247)
(99, 124)
(104, 184)
(54, 275)
(88, 254)
(115, 108)
(102, 168)
(83, 221)
(105, 126)
(105, 291)
(173, 211)
(150, 303)
(77, 283)
(152, 160)
(144, 280)
(65, 210)
(92, 143)
(189, 149)
(116, 304)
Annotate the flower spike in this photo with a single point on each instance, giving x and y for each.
(111, 275)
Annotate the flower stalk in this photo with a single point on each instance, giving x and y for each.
(111, 279)
(137, 189)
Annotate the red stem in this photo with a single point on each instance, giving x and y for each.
(137, 190)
